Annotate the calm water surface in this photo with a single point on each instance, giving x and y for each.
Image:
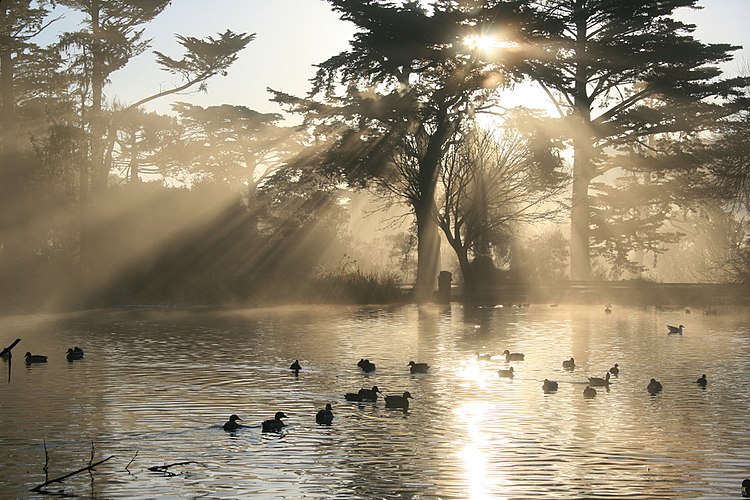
(156, 385)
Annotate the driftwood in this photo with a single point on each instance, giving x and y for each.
(131, 461)
(165, 468)
(9, 348)
(60, 479)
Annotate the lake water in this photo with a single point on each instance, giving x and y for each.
(156, 385)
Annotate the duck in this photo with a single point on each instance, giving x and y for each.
(506, 373)
(275, 424)
(599, 382)
(702, 381)
(615, 370)
(569, 364)
(675, 329)
(608, 309)
(231, 425)
(398, 401)
(654, 387)
(589, 392)
(35, 358)
(370, 395)
(418, 367)
(366, 366)
(295, 366)
(513, 356)
(74, 353)
(483, 357)
(549, 385)
(325, 416)
(746, 488)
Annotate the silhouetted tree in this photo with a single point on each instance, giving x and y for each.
(492, 182)
(412, 75)
(618, 73)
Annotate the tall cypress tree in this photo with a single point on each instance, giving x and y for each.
(621, 71)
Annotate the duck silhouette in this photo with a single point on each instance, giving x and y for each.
(654, 387)
(513, 356)
(549, 385)
(675, 329)
(296, 367)
(589, 392)
(365, 395)
(569, 364)
(615, 370)
(35, 358)
(506, 373)
(275, 424)
(74, 354)
(608, 309)
(366, 366)
(599, 382)
(325, 416)
(398, 401)
(483, 357)
(746, 488)
(702, 381)
(231, 425)
(418, 367)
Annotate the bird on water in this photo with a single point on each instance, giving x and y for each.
(295, 367)
(231, 425)
(366, 366)
(325, 416)
(275, 424)
(513, 356)
(702, 381)
(675, 329)
(589, 392)
(35, 358)
(74, 353)
(549, 385)
(506, 373)
(654, 387)
(398, 401)
(569, 364)
(599, 382)
(366, 395)
(615, 370)
(418, 367)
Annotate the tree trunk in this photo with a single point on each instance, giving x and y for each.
(580, 259)
(428, 252)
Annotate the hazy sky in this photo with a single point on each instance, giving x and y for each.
(293, 35)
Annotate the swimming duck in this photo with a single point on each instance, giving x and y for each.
(506, 373)
(35, 358)
(702, 381)
(654, 387)
(569, 364)
(608, 309)
(295, 366)
(398, 401)
(74, 354)
(325, 416)
(274, 425)
(746, 488)
(418, 367)
(549, 385)
(599, 382)
(369, 395)
(484, 357)
(366, 366)
(231, 425)
(589, 392)
(675, 329)
(615, 370)
(513, 356)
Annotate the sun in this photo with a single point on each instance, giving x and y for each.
(483, 43)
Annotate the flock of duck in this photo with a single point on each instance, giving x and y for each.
(325, 416)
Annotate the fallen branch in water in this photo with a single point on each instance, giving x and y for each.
(9, 348)
(165, 468)
(60, 479)
(131, 461)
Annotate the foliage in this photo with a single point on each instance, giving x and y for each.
(620, 73)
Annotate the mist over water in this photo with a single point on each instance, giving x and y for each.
(160, 383)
